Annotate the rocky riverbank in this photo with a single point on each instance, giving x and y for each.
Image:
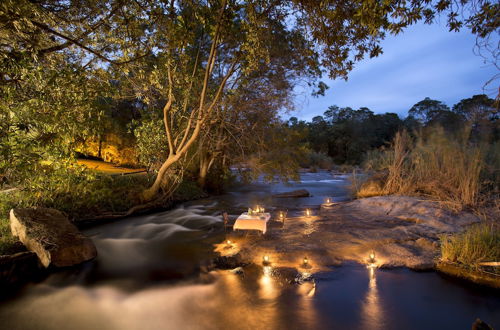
(400, 231)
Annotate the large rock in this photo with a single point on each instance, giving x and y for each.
(50, 234)
(295, 193)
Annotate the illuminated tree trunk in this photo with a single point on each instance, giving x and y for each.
(179, 141)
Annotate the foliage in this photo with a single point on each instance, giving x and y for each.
(317, 160)
(150, 141)
(427, 110)
(345, 134)
(479, 243)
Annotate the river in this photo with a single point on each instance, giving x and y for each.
(154, 272)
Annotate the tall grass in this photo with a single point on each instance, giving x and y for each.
(434, 164)
(479, 243)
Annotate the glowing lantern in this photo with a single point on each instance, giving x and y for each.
(282, 215)
(265, 260)
(308, 212)
(372, 257)
(305, 262)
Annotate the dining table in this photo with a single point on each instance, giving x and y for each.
(254, 221)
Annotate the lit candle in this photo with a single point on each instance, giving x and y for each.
(372, 257)
(306, 261)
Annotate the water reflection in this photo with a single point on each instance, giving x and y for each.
(307, 312)
(371, 310)
(267, 285)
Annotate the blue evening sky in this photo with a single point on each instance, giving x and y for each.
(423, 61)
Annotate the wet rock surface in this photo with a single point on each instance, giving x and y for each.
(401, 231)
(293, 194)
(54, 239)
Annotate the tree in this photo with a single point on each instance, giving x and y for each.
(427, 109)
(477, 108)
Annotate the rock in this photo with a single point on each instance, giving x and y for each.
(229, 262)
(50, 234)
(288, 275)
(293, 194)
(17, 269)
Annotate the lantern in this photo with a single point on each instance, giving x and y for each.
(265, 260)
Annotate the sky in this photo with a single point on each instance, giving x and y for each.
(423, 61)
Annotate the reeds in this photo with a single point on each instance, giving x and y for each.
(435, 164)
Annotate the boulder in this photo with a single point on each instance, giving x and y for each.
(50, 234)
(293, 194)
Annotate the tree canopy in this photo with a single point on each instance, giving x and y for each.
(205, 71)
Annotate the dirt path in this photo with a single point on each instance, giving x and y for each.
(109, 168)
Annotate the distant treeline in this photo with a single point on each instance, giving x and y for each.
(346, 135)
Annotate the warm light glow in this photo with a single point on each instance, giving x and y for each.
(306, 261)
(229, 243)
(259, 209)
(308, 212)
(328, 200)
(265, 259)
(372, 257)
(282, 215)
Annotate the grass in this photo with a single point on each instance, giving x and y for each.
(436, 164)
(479, 243)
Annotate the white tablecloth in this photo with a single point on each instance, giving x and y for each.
(252, 222)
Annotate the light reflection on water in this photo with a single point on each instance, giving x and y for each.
(372, 313)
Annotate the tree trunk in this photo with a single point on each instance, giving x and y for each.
(202, 176)
(150, 193)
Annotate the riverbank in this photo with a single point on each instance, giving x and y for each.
(105, 198)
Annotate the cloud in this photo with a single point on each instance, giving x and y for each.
(424, 61)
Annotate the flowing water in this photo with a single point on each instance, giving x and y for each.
(153, 272)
